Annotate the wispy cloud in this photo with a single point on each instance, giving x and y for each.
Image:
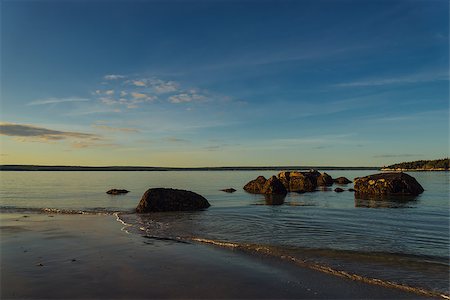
(58, 100)
(113, 77)
(12, 129)
(136, 98)
(115, 129)
(31, 133)
(407, 79)
(176, 140)
(430, 114)
(396, 155)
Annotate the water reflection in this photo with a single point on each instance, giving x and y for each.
(384, 201)
(274, 199)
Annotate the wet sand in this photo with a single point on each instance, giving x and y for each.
(88, 256)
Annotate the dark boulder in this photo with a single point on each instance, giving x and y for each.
(388, 184)
(117, 191)
(162, 199)
(302, 182)
(338, 190)
(229, 190)
(274, 186)
(255, 186)
(351, 190)
(299, 182)
(341, 180)
(324, 180)
(261, 185)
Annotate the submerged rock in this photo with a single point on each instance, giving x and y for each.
(163, 199)
(255, 186)
(341, 180)
(229, 190)
(388, 184)
(117, 191)
(338, 190)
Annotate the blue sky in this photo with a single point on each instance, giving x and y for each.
(224, 83)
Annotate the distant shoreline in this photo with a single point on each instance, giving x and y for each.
(132, 168)
(413, 170)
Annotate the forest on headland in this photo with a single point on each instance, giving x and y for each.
(437, 164)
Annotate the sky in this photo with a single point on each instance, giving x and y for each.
(224, 83)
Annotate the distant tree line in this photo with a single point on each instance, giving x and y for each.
(422, 164)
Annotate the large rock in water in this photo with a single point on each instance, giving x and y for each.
(324, 180)
(274, 186)
(260, 185)
(299, 181)
(388, 184)
(162, 199)
(255, 186)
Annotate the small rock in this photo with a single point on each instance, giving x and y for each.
(338, 190)
(341, 180)
(117, 191)
(351, 190)
(229, 190)
(39, 265)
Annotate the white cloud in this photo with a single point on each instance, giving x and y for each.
(139, 95)
(185, 97)
(161, 86)
(140, 83)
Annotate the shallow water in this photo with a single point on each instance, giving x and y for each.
(405, 241)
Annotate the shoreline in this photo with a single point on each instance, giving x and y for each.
(88, 256)
(151, 169)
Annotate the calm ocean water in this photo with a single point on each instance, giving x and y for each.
(397, 240)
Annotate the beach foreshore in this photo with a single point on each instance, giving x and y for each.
(89, 256)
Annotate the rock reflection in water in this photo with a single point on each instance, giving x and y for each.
(274, 199)
(383, 201)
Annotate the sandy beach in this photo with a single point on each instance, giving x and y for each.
(89, 256)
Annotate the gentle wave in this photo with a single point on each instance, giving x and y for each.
(422, 274)
(48, 210)
(280, 253)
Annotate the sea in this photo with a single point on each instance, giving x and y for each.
(399, 242)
